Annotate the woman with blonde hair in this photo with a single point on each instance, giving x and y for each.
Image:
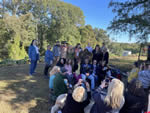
(54, 71)
(78, 99)
(111, 102)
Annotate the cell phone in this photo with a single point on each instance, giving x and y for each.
(107, 82)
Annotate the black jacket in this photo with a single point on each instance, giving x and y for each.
(85, 69)
(133, 104)
(100, 106)
(97, 56)
(106, 57)
(71, 106)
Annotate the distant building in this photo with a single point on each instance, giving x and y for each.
(126, 53)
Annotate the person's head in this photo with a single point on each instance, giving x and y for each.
(135, 87)
(54, 70)
(114, 95)
(62, 61)
(105, 50)
(86, 60)
(103, 63)
(72, 50)
(65, 44)
(78, 46)
(69, 62)
(79, 94)
(48, 47)
(136, 64)
(97, 48)
(89, 44)
(57, 43)
(63, 71)
(103, 44)
(94, 62)
(147, 65)
(34, 42)
(86, 50)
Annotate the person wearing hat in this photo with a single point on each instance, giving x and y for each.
(59, 84)
(78, 100)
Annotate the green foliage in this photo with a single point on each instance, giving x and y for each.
(15, 51)
(21, 21)
(118, 48)
(115, 48)
(132, 16)
(16, 32)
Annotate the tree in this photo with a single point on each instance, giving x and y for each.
(16, 32)
(132, 16)
(65, 21)
(101, 36)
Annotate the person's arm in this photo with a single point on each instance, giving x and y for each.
(96, 94)
(29, 52)
(87, 101)
(52, 56)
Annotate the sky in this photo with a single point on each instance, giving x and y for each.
(98, 15)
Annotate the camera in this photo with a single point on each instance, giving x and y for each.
(107, 82)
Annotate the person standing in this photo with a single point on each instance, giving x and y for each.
(96, 54)
(33, 53)
(89, 48)
(56, 52)
(48, 60)
(106, 56)
(64, 50)
(77, 52)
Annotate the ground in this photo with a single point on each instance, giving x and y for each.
(20, 93)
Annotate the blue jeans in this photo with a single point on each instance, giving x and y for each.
(91, 77)
(33, 66)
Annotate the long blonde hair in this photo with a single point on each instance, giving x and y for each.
(114, 96)
(55, 70)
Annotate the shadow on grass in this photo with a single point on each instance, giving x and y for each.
(30, 93)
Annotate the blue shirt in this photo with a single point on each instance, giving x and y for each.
(48, 57)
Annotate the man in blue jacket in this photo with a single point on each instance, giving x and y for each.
(48, 60)
(33, 53)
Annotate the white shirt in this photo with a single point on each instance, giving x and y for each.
(37, 49)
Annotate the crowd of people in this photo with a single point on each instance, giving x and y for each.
(79, 77)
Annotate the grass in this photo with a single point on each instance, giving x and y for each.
(125, 63)
(20, 93)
